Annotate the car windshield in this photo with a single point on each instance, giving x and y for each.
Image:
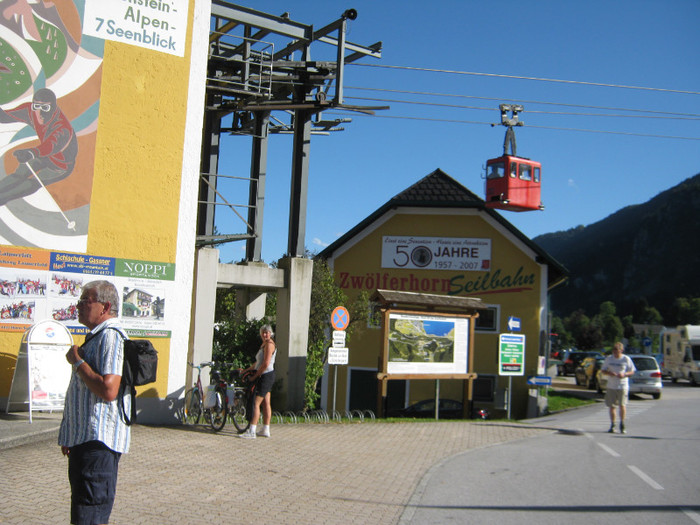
(645, 363)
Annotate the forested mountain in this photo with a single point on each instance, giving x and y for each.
(646, 252)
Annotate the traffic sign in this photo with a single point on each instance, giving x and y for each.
(514, 324)
(511, 355)
(539, 380)
(338, 356)
(340, 318)
(338, 338)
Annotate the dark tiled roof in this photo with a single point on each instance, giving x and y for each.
(437, 188)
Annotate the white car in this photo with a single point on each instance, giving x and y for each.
(646, 380)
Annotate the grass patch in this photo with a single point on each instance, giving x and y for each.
(563, 400)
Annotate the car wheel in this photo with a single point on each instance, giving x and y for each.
(657, 395)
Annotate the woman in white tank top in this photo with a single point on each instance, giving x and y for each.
(263, 372)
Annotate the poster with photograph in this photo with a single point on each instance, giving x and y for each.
(36, 285)
(427, 344)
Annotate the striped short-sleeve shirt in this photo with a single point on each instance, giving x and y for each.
(86, 417)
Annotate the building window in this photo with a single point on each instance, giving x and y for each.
(484, 389)
(488, 319)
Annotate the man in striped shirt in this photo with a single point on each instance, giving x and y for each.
(92, 433)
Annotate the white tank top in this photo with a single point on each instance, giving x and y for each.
(259, 360)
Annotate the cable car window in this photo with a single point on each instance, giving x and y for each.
(536, 171)
(525, 172)
(513, 169)
(496, 171)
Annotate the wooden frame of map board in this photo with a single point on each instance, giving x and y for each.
(428, 370)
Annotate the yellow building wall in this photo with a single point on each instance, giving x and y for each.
(137, 171)
(514, 282)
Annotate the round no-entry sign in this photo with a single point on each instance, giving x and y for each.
(340, 318)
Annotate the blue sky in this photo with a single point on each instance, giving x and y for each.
(586, 175)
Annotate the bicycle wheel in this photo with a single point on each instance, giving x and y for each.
(217, 413)
(192, 410)
(238, 411)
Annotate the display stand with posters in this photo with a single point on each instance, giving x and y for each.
(42, 373)
(426, 337)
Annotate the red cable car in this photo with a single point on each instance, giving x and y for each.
(512, 182)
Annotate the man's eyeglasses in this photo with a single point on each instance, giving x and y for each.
(39, 106)
(83, 301)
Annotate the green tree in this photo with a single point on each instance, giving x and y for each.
(610, 325)
(236, 340)
(685, 311)
(325, 297)
(563, 338)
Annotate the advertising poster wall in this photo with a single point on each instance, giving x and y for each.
(36, 285)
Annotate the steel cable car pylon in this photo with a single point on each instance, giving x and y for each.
(512, 182)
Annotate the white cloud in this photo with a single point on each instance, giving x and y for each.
(319, 242)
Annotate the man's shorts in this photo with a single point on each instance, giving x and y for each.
(264, 384)
(617, 397)
(92, 472)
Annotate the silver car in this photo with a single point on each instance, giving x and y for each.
(646, 380)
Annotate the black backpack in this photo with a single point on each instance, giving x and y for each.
(140, 366)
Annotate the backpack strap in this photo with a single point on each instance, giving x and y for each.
(124, 385)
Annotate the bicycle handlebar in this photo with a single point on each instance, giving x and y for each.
(201, 365)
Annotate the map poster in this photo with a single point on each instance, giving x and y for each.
(427, 344)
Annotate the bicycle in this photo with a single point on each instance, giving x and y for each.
(238, 404)
(194, 408)
(230, 402)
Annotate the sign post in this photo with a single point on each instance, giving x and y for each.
(338, 352)
(511, 359)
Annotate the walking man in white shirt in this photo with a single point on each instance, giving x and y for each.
(618, 367)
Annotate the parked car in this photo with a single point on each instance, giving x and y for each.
(586, 373)
(574, 359)
(646, 380)
(449, 409)
(560, 361)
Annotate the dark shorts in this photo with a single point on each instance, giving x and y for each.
(92, 472)
(264, 384)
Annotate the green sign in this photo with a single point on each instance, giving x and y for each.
(511, 355)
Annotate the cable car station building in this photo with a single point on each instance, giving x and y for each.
(438, 238)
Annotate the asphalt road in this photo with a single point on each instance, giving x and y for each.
(578, 474)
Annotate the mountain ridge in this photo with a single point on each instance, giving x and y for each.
(642, 252)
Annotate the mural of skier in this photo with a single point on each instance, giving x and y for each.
(50, 78)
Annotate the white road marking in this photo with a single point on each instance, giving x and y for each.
(608, 450)
(692, 515)
(653, 484)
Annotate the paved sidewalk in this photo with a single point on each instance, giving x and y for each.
(362, 473)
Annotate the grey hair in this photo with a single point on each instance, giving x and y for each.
(267, 328)
(104, 292)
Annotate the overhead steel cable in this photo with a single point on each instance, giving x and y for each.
(457, 121)
(520, 101)
(518, 77)
(459, 106)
